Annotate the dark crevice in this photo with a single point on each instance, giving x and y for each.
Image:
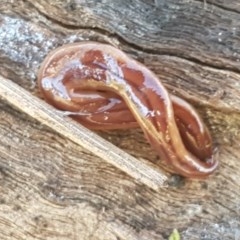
(124, 41)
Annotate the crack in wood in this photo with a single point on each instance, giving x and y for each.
(124, 41)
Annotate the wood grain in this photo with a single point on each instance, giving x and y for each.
(52, 188)
(141, 171)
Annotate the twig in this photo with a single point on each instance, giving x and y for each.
(140, 170)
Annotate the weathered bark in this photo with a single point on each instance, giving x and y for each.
(51, 188)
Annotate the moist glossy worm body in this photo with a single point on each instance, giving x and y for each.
(103, 88)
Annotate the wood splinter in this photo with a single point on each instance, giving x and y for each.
(141, 170)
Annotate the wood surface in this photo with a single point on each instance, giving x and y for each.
(142, 171)
(51, 188)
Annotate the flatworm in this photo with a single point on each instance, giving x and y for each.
(103, 88)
